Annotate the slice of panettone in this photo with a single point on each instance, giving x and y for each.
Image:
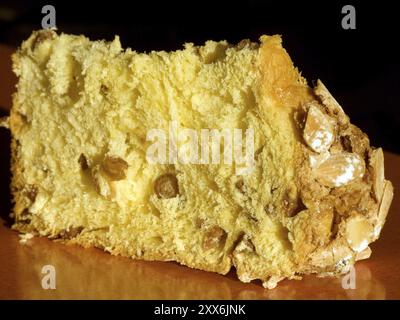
(306, 194)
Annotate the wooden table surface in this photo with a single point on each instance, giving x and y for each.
(93, 274)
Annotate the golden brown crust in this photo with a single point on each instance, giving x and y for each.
(280, 79)
(4, 122)
(383, 210)
(352, 201)
(16, 170)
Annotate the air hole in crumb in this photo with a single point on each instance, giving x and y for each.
(346, 143)
(258, 153)
(104, 90)
(31, 192)
(218, 54)
(283, 235)
(335, 225)
(24, 217)
(71, 233)
(252, 218)
(42, 36)
(156, 241)
(300, 118)
(300, 206)
(240, 185)
(270, 209)
(199, 222)
(293, 206)
(152, 209)
(235, 242)
(83, 162)
(76, 85)
(243, 243)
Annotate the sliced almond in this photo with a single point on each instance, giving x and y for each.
(330, 255)
(339, 169)
(102, 182)
(359, 233)
(317, 159)
(319, 130)
(378, 172)
(330, 102)
(383, 208)
(365, 254)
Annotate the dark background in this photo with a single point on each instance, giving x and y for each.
(360, 67)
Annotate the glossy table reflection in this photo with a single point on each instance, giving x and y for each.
(93, 274)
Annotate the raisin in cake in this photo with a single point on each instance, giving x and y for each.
(315, 198)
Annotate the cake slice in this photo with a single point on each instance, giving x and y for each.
(214, 156)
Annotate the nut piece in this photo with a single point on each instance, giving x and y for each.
(339, 169)
(102, 183)
(104, 90)
(383, 208)
(358, 233)
(330, 102)
(215, 237)
(166, 186)
(365, 254)
(115, 168)
(71, 232)
(319, 130)
(378, 172)
(325, 257)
